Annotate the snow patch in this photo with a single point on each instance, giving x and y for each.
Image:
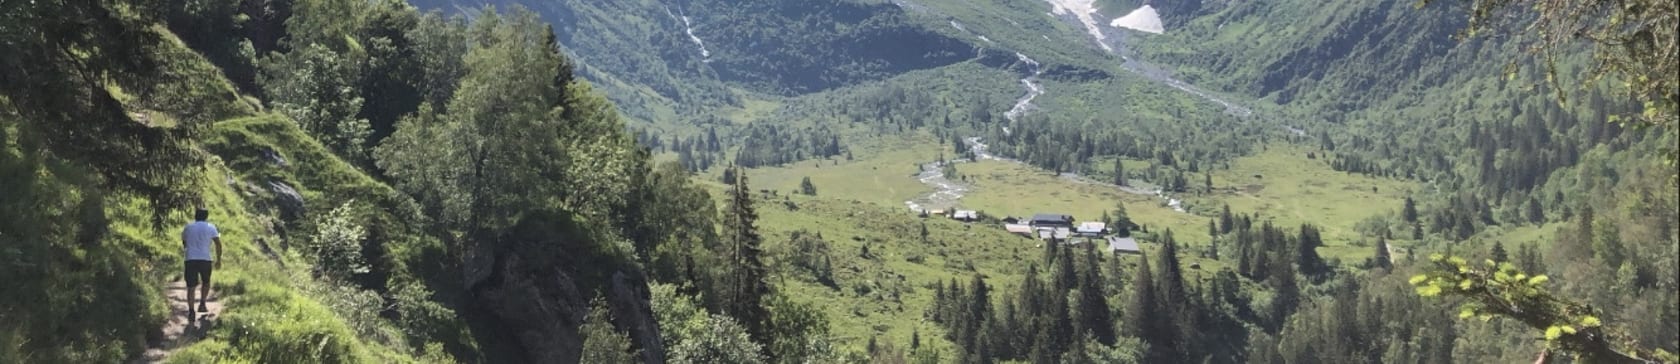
(1144, 19)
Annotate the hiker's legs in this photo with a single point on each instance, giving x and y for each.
(198, 272)
(204, 291)
(190, 273)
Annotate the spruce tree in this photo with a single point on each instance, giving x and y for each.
(1497, 252)
(1067, 276)
(1050, 252)
(1119, 172)
(1122, 223)
(745, 284)
(1173, 300)
(1093, 304)
(1116, 278)
(1382, 259)
(1286, 294)
(1536, 213)
(1307, 256)
(806, 187)
(1409, 211)
(1226, 221)
(1144, 318)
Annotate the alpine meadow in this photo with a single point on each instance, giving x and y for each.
(839, 181)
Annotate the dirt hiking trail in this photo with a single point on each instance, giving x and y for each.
(183, 328)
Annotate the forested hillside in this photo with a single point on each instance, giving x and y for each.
(842, 181)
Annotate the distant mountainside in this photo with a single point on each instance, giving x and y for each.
(1272, 49)
(692, 52)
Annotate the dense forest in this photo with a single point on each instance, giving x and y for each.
(445, 181)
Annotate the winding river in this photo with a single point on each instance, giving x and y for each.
(947, 194)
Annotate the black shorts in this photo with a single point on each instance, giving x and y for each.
(198, 270)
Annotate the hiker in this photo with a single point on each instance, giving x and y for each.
(196, 239)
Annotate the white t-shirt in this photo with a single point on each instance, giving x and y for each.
(198, 236)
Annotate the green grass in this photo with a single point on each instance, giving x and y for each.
(881, 172)
(1292, 190)
(860, 203)
(753, 107)
(865, 304)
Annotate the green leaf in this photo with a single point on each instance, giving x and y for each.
(1567, 329)
(1429, 291)
(1590, 321)
(1553, 333)
(1437, 257)
(1464, 285)
(1418, 279)
(1466, 313)
(1537, 280)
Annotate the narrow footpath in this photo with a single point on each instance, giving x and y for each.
(181, 329)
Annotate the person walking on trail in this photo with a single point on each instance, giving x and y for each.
(197, 238)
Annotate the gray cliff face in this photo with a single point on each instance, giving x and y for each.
(540, 306)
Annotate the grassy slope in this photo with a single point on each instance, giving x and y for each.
(1294, 190)
(860, 203)
(881, 172)
(272, 315)
(269, 316)
(886, 293)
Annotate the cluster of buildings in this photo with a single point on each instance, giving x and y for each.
(1059, 228)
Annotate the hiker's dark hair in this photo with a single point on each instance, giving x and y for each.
(201, 215)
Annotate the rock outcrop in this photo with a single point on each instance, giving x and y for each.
(538, 297)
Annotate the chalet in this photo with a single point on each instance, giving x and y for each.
(965, 215)
(1058, 233)
(1123, 245)
(1022, 229)
(1052, 221)
(1091, 229)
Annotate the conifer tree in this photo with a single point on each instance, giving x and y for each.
(745, 285)
(1119, 172)
(1226, 221)
(1382, 259)
(1409, 211)
(1497, 252)
(1306, 256)
(1093, 306)
(806, 187)
(1174, 303)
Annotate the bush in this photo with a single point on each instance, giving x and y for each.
(336, 247)
(419, 316)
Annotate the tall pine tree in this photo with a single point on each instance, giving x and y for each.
(1093, 306)
(745, 286)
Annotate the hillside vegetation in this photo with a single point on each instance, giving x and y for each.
(776, 181)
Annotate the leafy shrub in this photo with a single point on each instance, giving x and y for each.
(336, 247)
